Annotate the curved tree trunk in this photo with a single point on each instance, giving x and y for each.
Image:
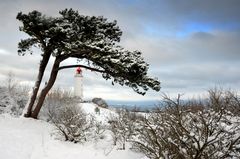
(42, 67)
(46, 89)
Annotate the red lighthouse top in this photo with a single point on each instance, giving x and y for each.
(78, 70)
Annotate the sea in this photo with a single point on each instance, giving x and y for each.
(131, 105)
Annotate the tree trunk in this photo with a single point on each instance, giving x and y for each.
(42, 67)
(46, 89)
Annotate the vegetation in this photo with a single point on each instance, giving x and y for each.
(177, 129)
(13, 96)
(121, 127)
(90, 39)
(195, 130)
(71, 122)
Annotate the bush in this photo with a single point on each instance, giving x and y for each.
(177, 131)
(13, 96)
(100, 102)
(122, 127)
(97, 110)
(221, 99)
(98, 130)
(71, 123)
(55, 101)
(64, 111)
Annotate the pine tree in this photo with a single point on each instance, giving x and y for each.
(89, 38)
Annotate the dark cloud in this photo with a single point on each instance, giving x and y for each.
(211, 11)
(202, 35)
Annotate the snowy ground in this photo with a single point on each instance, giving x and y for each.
(104, 114)
(22, 138)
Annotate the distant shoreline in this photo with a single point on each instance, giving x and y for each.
(140, 105)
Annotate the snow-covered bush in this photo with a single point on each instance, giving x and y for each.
(55, 101)
(4, 100)
(99, 130)
(64, 111)
(71, 123)
(227, 99)
(122, 127)
(179, 132)
(19, 97)
(13, 96)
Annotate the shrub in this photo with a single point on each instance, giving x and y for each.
(56, 100)
(122, 127)
(98, 130)
(224, 99)
(71, 123)
(13, 96)
(97, 110)
(100, 102)
(177, 131)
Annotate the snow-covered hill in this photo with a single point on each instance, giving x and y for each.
(22, 138)
(103, 115)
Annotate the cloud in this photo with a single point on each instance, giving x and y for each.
(3, 52)
(202, 35)
(190, 45)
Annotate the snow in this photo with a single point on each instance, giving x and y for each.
(25, 138)
(104, 114)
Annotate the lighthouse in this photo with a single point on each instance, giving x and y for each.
(78, 86)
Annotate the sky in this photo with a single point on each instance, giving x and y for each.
(190, 45)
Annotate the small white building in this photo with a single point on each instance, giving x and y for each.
(78, 85)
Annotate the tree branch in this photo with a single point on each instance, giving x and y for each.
(83, 66)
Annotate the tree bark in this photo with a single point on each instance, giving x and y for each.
(43, 64)
(46, 89)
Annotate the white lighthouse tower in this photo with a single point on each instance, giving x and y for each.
(78, 86)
